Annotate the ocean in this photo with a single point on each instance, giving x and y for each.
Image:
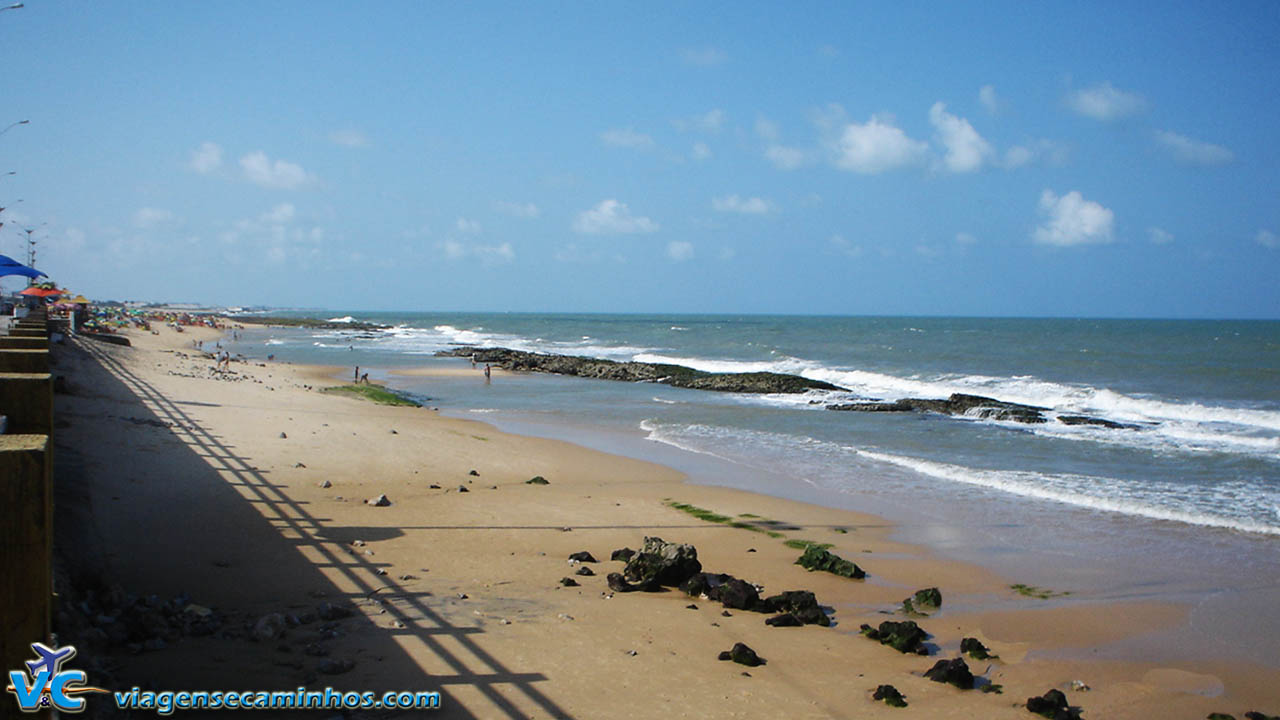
(1183, 506)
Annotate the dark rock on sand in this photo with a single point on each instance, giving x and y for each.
(952, 672)
(1221, 716)
(742, 655)
(923, 601)
(905, 636)
(584, 571)
(329, 611)
(537, 480)
(784, 620)
(816, 558)
(568, 582)
(583, 556)
(736, 594)
(976, 649)
(890, 695)
(617, 583)
(474, 473)
(1255, 715)
(335, 667)
(380, 501)
(622, 554)
(662, 563)
(1053, 704)
(800, 603)
(675, 375)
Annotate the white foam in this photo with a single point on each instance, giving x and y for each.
(343, 319)
(1153, 499)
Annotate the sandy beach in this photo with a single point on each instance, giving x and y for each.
(245, 492)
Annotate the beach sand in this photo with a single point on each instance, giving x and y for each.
(175, 479)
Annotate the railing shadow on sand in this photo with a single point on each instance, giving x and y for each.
(205, 472)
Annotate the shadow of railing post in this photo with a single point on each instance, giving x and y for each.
(420, 621)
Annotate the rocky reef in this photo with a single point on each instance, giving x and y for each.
(674, 375)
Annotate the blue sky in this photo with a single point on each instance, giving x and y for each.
(831, 158)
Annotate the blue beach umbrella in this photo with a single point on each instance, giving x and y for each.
(9, 266)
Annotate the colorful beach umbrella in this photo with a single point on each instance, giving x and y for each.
(37, 291)
(9, 266)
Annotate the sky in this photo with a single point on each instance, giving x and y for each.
(989, 159)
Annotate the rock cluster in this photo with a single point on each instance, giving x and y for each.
(743, 655)
(977, 406)
(890, 695)
(905, 636)
(923, 601)
(675, 375)
(976, 650)
(816, 558)
(1053, 705)
(951, 672)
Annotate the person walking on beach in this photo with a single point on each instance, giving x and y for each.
(356, 376)
(486, 373)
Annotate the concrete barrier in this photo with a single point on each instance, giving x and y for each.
(23, 343)
(24, 361)
(26, 400)
(26, 548)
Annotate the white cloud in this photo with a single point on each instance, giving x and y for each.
(260, 170)
(487, 254)
(520, 210)
(966, 151)
(965, 238)
(987, 96)
(349, 138)
(1041, 151)
(1193, 152)
(279, 214)
(1105, 102)
(766, 129)
(704, 57)
(626, 137)
(786, 158)
(206, 158)
(842, 246)
(470, 227)
(1267, 239)
(726, 254)
(1072, 220)
(746, 206)
(875, 147)
(701, 151)
(710, 121)
(1159, 236)
(148, 217)
(611, 217)
(680, 250)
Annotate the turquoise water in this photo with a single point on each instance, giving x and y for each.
(1194, 492)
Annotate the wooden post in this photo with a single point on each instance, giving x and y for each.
(23, 343)
(26, 549)
(24, 361)
(26, 400)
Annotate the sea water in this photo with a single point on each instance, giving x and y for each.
(1183, 507)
